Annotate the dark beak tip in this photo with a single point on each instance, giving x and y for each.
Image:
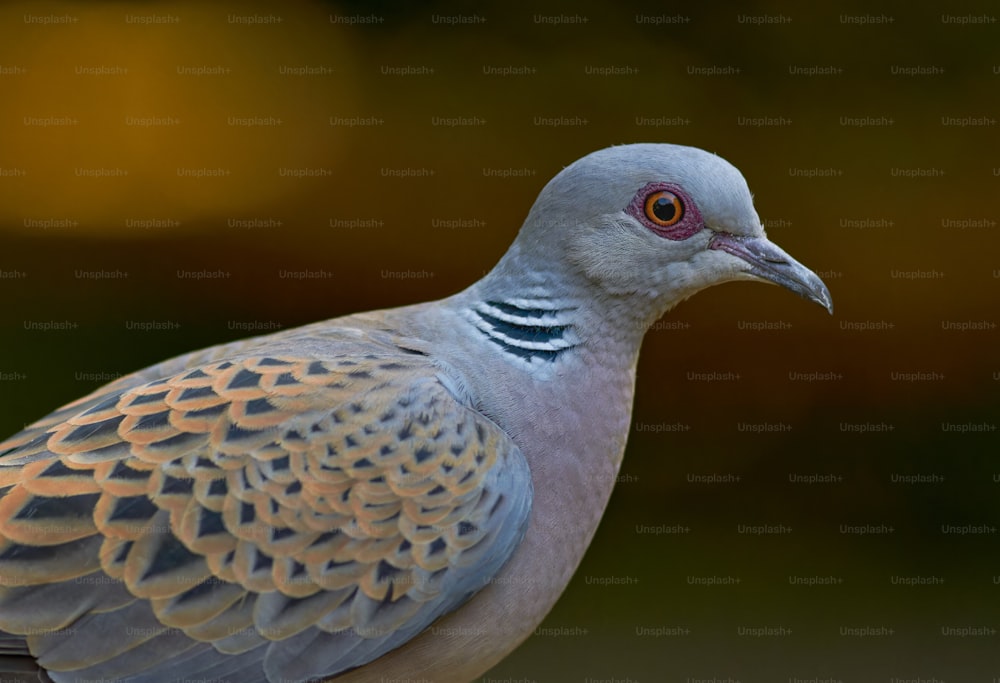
(820, 293)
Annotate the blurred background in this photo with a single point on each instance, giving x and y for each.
(804, 497)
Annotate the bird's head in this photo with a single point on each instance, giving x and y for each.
(662, 222)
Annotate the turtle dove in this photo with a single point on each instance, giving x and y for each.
(399, 494)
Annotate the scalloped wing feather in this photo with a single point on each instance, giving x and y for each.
(271, 516)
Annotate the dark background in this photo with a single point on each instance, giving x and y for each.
(872, 149)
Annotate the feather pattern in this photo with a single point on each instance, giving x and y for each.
(267, 516)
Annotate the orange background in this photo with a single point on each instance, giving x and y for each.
(105, 69)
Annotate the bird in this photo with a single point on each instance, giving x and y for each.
(400, 494)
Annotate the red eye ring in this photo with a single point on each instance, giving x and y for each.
(663, 208)
(666, 210)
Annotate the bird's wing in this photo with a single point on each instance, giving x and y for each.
(271, 517)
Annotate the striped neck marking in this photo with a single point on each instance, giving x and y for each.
(530, 330)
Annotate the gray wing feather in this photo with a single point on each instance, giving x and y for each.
(381, 501)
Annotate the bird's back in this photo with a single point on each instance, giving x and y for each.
(284, 507)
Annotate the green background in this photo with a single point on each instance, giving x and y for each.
(860, 228)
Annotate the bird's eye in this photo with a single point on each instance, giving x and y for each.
(664, 208)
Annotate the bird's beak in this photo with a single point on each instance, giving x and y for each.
(770, 262)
